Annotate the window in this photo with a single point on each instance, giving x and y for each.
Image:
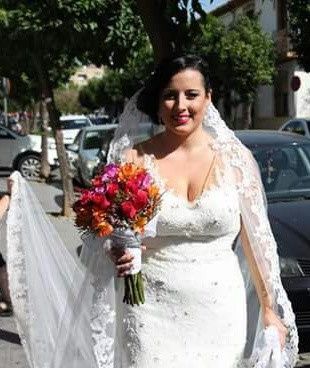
(5, 135)
(98, 140)
(75, 123)
(308, 125)
(295, 127)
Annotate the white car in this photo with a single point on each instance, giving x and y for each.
(23, 152)
(71, 125)
(298, 126)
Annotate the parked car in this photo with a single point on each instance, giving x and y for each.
(84, 154)
(298, 126)
(23, 152)
(100, 119)
(71, 125)
(284, 162)
(91, 146)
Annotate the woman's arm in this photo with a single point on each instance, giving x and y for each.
(4, 204)
(5, 200)
(269, 316)
(260, 285)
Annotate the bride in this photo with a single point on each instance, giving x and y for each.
(201, 307)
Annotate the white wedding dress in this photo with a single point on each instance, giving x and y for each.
(200, 308)
(195, 310)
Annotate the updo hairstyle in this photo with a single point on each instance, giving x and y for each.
(148, 99)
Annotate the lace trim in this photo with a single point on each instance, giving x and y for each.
(17, 270)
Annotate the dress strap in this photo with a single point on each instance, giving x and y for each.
(206, 180)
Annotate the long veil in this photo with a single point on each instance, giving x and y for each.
(66, 310)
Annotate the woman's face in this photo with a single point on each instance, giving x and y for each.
(182, 103)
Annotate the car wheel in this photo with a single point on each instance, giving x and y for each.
(29, 166)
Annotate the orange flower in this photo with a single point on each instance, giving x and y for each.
(127, 170)
(139, 224)
(104, 228)
(153, 191)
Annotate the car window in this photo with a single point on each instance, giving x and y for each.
(295, 126)
(75, 124)
(5, 134)
(308, 124)
(283, 168)
(97, 139)
(77, 139)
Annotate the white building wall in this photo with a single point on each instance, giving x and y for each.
(267, 15)
(302, 96)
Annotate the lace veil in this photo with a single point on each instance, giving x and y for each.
(66, 309)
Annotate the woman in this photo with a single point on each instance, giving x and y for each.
(5, 302)
(198, 278)
(196, 294)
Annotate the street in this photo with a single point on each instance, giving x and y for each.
(11, 352)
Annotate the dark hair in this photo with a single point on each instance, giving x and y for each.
(148, 99)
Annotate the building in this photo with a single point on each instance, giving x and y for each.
(85, 73)
(289, 96)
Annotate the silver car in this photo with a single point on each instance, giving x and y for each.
(23, 152)
(85, 151)
(91, 146)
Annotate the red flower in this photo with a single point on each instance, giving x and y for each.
(141, 199)
(128, 209)
(112, 189)
(101, 201)
(132, 186)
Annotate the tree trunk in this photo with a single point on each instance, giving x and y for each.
(152, 15)
(66, 177)
(45, 166)
(246, 115)
(64, 167)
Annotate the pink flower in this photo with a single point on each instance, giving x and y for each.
(110, 171)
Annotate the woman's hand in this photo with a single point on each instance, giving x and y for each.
(122, 258)
(271, 319)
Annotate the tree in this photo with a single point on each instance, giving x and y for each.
(299, 24)
(249, 56)
(118, 84)
(32, 42)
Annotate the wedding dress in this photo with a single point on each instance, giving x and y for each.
(200, 310)
(195, 313)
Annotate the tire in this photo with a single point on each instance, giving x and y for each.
(29, 166)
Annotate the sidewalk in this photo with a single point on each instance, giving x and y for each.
(11, 352)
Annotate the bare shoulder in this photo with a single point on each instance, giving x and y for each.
(136, 154)
(150, 146)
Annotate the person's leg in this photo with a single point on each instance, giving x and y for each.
(4, 283)
(5, 302)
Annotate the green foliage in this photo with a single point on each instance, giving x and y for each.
(249, 54)
(299, 21)
(67, 100)
(241, 56)
(119, 83)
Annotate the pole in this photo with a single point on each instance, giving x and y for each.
(5, 108)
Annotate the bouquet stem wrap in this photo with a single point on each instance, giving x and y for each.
(134, 289)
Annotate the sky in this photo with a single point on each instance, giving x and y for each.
(216, 3)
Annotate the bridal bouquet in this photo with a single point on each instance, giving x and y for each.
(122, 200)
